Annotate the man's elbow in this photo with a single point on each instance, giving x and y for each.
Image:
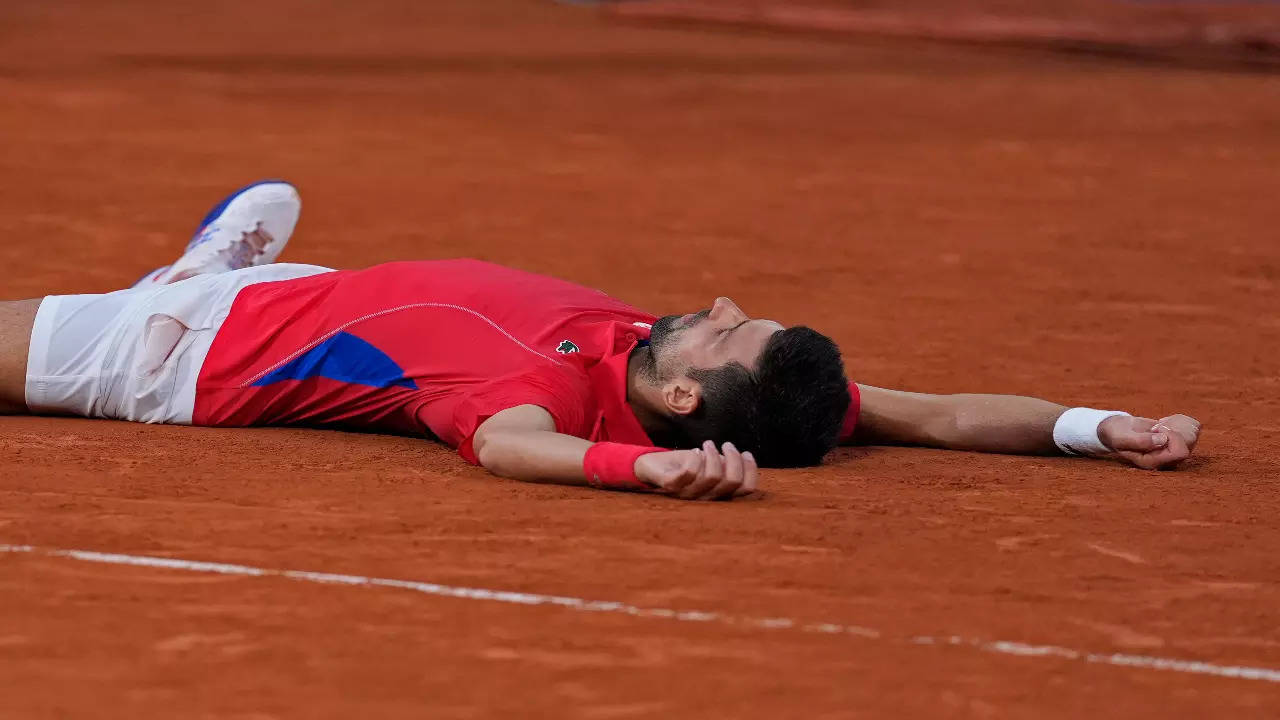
(489, 451)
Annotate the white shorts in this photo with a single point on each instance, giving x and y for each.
(134, 354)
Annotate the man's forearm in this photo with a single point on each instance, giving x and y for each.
(1000, 423)
(535, 456)
(522, 443)
(984, 423)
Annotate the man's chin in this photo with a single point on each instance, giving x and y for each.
(662, 330)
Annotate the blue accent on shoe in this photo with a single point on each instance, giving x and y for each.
(345, 358)
(222, 206)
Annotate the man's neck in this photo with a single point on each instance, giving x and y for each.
(643, 397)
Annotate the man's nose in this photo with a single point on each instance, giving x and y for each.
(723, 309)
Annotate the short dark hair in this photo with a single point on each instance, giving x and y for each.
(787, 412)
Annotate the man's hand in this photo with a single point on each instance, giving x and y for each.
(702, 474)
(1150, 444)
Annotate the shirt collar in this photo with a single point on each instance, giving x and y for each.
(609, 383)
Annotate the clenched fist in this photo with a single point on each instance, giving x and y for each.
(702, 474)
(1150, 444)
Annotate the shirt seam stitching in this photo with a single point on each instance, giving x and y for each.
(312, 344)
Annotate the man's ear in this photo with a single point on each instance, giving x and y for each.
(682, 395)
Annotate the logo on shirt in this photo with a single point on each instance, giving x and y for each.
(566, 347)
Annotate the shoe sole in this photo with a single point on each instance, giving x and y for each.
(273, 205)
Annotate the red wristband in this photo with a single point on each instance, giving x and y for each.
(851, 415)
(613, 466)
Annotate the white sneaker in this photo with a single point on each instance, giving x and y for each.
(250, 227)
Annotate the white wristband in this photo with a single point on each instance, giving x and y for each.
(1076, 432)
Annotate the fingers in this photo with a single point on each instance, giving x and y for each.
(1139, 441)
(732, 476)
(1177, 451)
(709, 476)
(1154, 444)
(704, 473)
(1117, 432)
(1131, 434)
(1146, 461)
(750, 474)
(1174, 451)
(725, 473)
(1185, 426)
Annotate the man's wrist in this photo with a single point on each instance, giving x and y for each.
(850, 423)
(613, 466)
(1076, 431)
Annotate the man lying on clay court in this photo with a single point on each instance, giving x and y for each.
(532, 377)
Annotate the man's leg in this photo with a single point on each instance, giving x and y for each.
(247, 228)
(16, 319)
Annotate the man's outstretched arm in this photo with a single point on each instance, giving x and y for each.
(1017, 425)
(522, 443)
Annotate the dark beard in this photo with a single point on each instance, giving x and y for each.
(668, 327)
(663, 330)
(665, 333)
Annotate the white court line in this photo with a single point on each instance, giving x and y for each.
(574, 603)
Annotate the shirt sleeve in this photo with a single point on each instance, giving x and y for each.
(563, 392)
(851, 417)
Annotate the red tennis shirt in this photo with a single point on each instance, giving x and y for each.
(433, 347)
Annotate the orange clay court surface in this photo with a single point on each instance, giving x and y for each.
(1091, 230)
